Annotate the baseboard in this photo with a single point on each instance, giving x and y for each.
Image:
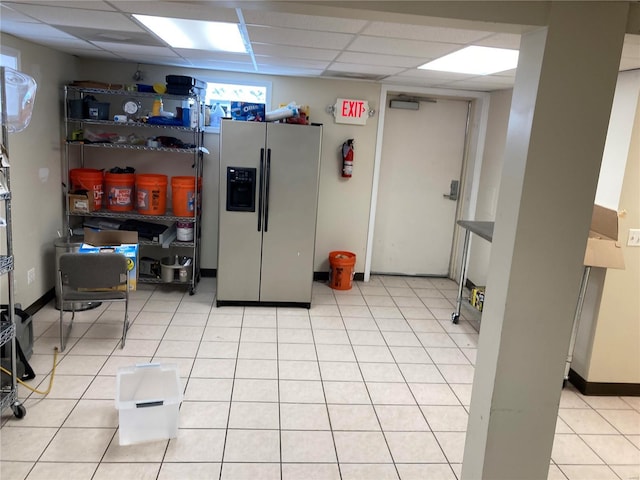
(41, 302)
(208, 272)
(603, 388)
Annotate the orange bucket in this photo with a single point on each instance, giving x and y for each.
(151, 194)
(341, 270)
(119, 188)
(88, 179)
(183, 195)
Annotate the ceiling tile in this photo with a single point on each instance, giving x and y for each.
(433, 75)
(84, 4)
(302, 22)
(409, 81)
(179, 9)
(93, 35)
(294, 52)
(291, 62)
(423, 33)
(224, 66)
(142, 50)
(213, 56)
(367, 69)
(35, 31)
(501, 40)
(8, 15)
(387, 60)
(302, 38)
(77, 17)
(393, 46)
(292, 71)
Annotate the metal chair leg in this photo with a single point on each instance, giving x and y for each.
(125, 327)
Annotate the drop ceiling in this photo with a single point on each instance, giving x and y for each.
(290, 40)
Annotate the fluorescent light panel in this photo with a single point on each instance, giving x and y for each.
(475, 60)
(195, 34)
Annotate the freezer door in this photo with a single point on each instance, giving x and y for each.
(239, 240)
(293, 162)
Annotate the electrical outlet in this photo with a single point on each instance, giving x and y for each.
(634, 237)
(31, 276)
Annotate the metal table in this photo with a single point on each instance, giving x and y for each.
(483, 230)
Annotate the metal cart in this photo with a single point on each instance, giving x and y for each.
(483, 230)
(9, 393)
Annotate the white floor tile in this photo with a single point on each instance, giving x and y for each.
(308, 447)
(78, 445)
(310, 471)
(583, 420)
(401, 418)
(587, 472)
(24, 444)
(59, 471)
(570, 449)
(414, 447)
(196, 445)
(204, 414)
(238, 471)
(93, 414)
(301, 391)
(379, 471)
(189, 471)
(304, 416)
(437, 471)
(626, 422)
(354, 392)
(254, 415)
(296, 378)
(361, 447)
(353, 418)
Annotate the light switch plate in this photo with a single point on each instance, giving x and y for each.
(634, 237)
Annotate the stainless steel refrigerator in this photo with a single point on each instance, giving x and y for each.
(269, 174)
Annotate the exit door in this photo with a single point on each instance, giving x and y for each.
(422, 154)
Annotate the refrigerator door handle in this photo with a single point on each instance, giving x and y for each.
(260, 189)
(266, 190)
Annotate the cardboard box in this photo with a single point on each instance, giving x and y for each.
(603, 249)
(81, 203)
(248, 112)
(114, 241)
(477, 297)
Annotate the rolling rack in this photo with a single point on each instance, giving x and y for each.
(483, 230)
(9, 78)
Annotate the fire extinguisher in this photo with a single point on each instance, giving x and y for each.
(347, 158)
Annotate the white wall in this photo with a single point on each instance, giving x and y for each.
(35, 171)
(613, 353)
(500, 104)
(343, 211)
(619, 136)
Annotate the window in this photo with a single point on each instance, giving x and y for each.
(220, 95)
(10, 58)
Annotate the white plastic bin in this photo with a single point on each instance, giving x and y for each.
(148, 399)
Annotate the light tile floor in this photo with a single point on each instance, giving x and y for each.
(372, 383)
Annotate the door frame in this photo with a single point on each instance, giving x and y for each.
(471, 164)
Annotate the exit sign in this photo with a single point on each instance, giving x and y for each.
(354, 112)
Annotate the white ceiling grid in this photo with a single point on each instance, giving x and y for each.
(282, 43)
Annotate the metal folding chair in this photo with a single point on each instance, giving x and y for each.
(92, 277)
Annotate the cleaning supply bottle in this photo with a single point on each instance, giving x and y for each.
(156, 110)
(216, 115)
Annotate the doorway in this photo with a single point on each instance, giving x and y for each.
(422, 154)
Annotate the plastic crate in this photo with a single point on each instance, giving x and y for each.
(148, 399)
